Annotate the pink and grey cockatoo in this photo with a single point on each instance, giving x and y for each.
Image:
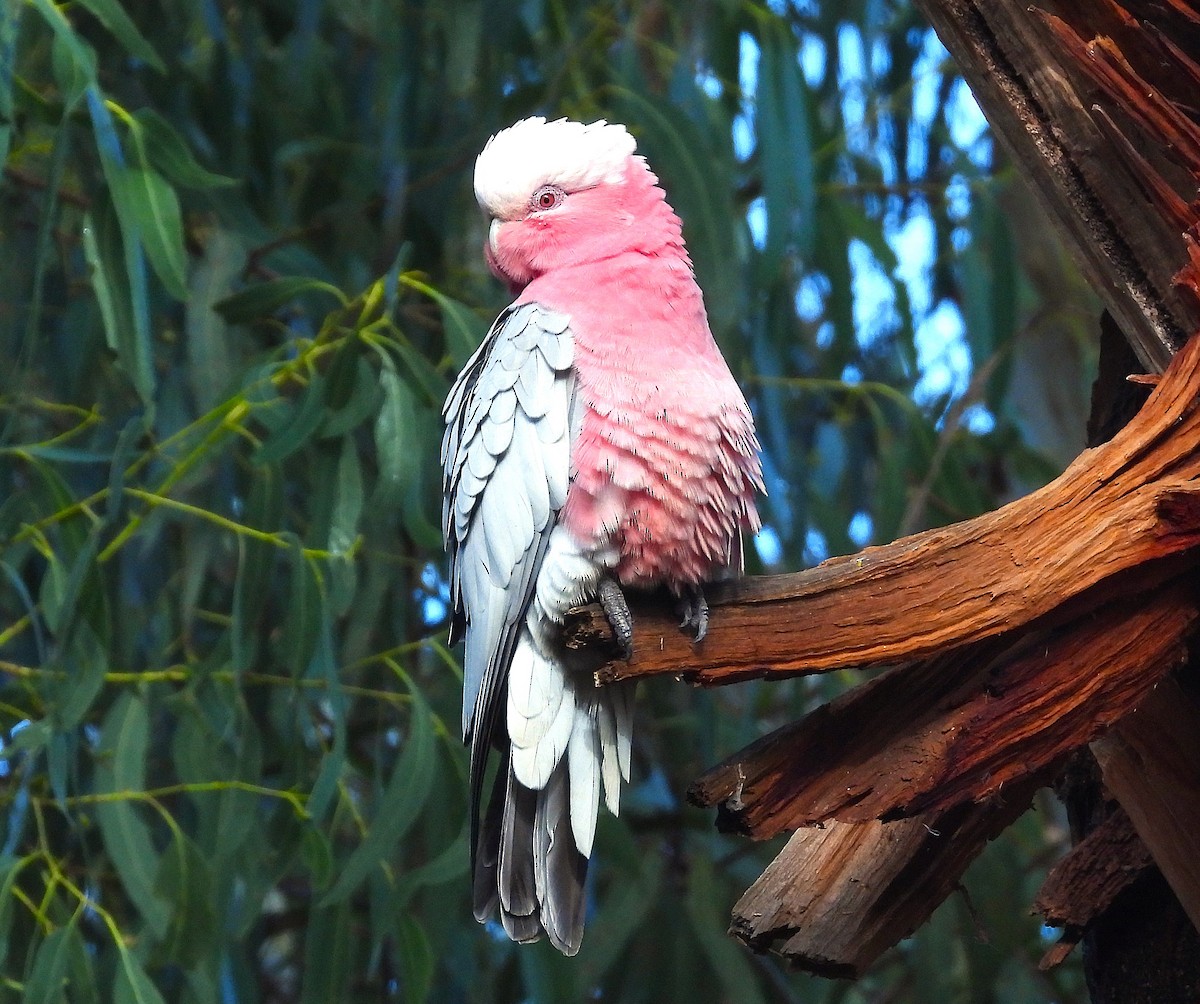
(595, 440)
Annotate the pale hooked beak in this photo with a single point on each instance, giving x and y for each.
(493, 236)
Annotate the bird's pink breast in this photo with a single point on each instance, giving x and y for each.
(665, 465)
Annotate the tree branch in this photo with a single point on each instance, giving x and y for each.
(943, 588)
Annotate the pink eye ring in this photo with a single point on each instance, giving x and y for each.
(547, 197)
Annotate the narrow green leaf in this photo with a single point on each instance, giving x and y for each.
(185, 881)
(103, 246)
(617, 921)
(81, 54)
(256, 559)
(112, 15)
(302, 623)
(445, 867)
(341, 376)
(46, 983)
(72, 76)
(167, 150)
(267, 297)
(144, 200)
(81, 971)
(349, 499)
(394, 429)
(298, 429)
(327, 955)
(398, 807)
(361, 403)
(416, 958)
(343, 528)
(132, 985)
(324, 667)
(427, 383)
(785, 148)
(464, 329)
(135, 350)
(317, 855)
(10, 870)
(121, 769)
(86, 660)
(727, 960)
(211, 350)
(52, 592)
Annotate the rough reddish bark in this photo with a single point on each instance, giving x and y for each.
(1084, 884)
(837, 896)
(957, 728)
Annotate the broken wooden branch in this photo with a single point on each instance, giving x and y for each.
(1084, 884)
(956, 728)
(837, 896)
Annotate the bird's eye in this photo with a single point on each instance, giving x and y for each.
(547, 197)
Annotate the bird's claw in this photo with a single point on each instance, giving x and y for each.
(619, 617)
(694, 608)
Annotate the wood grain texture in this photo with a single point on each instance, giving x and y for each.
(836, 897)
(956, 728)
(1151, 762)
(1086, 882)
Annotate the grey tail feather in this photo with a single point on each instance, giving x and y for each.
(485, 853)
(561, 868)
(527, 864)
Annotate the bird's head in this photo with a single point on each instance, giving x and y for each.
(564, 193)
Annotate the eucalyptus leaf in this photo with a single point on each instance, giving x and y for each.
(149, 206)
(104, 248)
(46, 983)
(327, 955)
(132, 985)
(112, 15)
(121, 774)
(398, 807)
(169, 153)
(265, 298)
(302, 425)
(184, 880)
(416, 958)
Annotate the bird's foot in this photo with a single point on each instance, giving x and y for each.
(694, 609)
(619, 617)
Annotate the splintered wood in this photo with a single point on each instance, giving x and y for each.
(837, 896)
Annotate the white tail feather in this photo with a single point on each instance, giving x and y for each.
(610, 770)
(622, 695)
(533, 764)
(535, 690)
(583, 761)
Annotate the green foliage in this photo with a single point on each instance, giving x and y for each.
(241, 267)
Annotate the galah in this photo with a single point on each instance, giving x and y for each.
(596, 440)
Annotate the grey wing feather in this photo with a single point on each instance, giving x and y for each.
(506, 459)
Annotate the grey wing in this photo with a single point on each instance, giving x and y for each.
(506, 459)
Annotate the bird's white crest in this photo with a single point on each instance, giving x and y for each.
(519, 160)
